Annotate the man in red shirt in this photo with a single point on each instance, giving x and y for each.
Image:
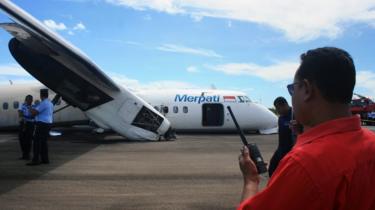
(332, 165)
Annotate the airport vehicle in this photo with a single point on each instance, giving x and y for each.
(67, 71)
(186, 110)
(365, 107)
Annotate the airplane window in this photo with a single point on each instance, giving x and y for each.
(5, 106)
(165, 109)
(175, 109)
(185, 109)
(16, 104)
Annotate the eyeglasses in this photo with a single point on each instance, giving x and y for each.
(290, 88)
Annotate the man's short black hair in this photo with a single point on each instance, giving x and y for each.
(44, 93)
(279, 101)
(29, 97)
(332, 70)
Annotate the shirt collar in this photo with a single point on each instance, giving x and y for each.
(339, 125)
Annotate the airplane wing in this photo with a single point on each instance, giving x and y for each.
(70, 73)
(55, 62)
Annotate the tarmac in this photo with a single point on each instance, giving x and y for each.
(105, 171)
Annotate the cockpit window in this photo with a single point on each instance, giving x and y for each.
(243, 99)
(148, 120)
(247, 99)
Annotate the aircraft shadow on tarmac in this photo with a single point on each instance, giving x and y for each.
(62, 149)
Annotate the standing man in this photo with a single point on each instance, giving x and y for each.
(43, 113)
(332, 165)
(26, 127)
(286, 138)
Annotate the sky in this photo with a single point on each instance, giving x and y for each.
(246, 45)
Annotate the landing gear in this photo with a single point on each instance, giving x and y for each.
(170, 135)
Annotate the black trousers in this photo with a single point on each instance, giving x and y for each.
(276, 158)
(25, 137)
(40, 147)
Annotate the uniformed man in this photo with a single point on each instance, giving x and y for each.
(43, 113)
(286, 138)
(26, 127)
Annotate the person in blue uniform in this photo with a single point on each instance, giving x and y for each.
(26, 127)
(43, 113)
(286, 137)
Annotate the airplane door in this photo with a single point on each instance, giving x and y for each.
(212, 114)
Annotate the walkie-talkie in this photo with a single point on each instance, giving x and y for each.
(253, 148)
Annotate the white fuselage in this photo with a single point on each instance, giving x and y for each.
(206, 110)
(187, 110)
(12, 97)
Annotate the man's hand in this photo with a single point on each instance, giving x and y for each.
(295, 127)
(250, 174)
(33, 112)
(247, 166)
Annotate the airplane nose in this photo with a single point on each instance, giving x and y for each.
(267, 119)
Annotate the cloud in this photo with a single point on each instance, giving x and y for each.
(14, 73)
(188, 50)
(280, 71)
(54, 26)
(229, 24)
(196, 18)
(122, 42)
(81, 1)
(135, 85)
(79, 26)
(168, 6)
(298, 21)
(17, 74)
(133, 43)
(366, 81)
(62, 27)
(192, 69)
(13, 70)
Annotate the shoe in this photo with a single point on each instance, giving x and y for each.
(32, 163)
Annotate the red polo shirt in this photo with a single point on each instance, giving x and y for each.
(332, 166)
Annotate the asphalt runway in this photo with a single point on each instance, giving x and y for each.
(91, 171)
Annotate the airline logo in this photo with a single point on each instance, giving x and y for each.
(229, 98)
(196, 99)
